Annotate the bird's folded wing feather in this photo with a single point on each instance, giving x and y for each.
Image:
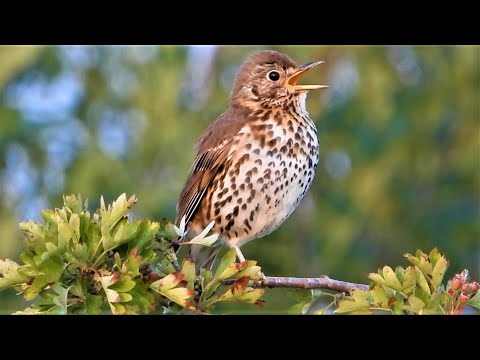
(202, 173)
(214, 148)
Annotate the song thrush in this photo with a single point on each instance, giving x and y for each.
(255, 163)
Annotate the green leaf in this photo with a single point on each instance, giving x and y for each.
(231, 270)
(299, 309)
(166, 229)
(348, 306)
(143, 299)
(145, 236)
(422, 281)
(114, 216)
(33, 231)
(118, 262)
(84, 222)
(421, 261)
(30, 311)
(400, 274)
(240, 285)
(132, 265)
(52, 269)
(252, 271)
(62, 215)
(124, 284)
(165, 287)
(377, 278)
(180, 295)
(27, 258)
(74, 223)
(379, 297)
(240, 291)
(409, 281)
(415, 305)
(439, 270)
(118, 309)
(396, 303)
(80, 252)
(251, 296)
(167, 282)
(318, 312)
(10, 275)
(475, 301)
(73, 203)
(29, 271)
(49, 216)
(345, 307)
(61, 299)
(209, 285)
(78, 288)
(124, 297)
(65, 233)
(166, 267)
(391, 279)
(360, 296)
(116, 211)
(112, 295)
(93, 239)
(93, 304)
(119, 234)
(301, 295)
(188, 269)
(434, 256)
(435, 304)
(422, 295)
(316, 293)
(357, 304)
(227, 260)
(386, 277)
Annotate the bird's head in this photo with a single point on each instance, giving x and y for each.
(268, 76)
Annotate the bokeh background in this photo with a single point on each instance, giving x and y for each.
(398, 129)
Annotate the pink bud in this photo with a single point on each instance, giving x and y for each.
(463, 299)
(456, 283)
(474, 286)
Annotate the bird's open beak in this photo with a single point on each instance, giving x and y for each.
(292, 79)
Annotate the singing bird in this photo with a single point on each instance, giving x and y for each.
(255, 163)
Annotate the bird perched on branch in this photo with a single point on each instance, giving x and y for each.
(255, 163)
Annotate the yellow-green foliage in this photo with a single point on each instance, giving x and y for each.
(76, 262)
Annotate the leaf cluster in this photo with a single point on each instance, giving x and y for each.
(76, 262)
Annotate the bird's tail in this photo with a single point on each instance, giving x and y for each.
(203, 256)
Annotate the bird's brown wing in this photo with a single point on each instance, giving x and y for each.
(213, 150)
(200, 176)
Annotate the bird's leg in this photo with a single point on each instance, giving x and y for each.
(241, 258)
(239, 254)
(263, 278)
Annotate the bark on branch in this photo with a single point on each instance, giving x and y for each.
(307, 283)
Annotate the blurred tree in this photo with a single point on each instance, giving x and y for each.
(398, 130)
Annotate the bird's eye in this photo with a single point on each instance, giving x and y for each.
(273, 75)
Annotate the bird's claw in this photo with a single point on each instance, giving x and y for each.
(263, 279)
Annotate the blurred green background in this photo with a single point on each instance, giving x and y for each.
(399, 142)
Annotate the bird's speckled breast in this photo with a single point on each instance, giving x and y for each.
(271, 167)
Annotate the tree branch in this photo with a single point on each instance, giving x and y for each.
(306, 283)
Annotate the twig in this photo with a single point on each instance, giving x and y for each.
(306, 283)
(172, 257)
